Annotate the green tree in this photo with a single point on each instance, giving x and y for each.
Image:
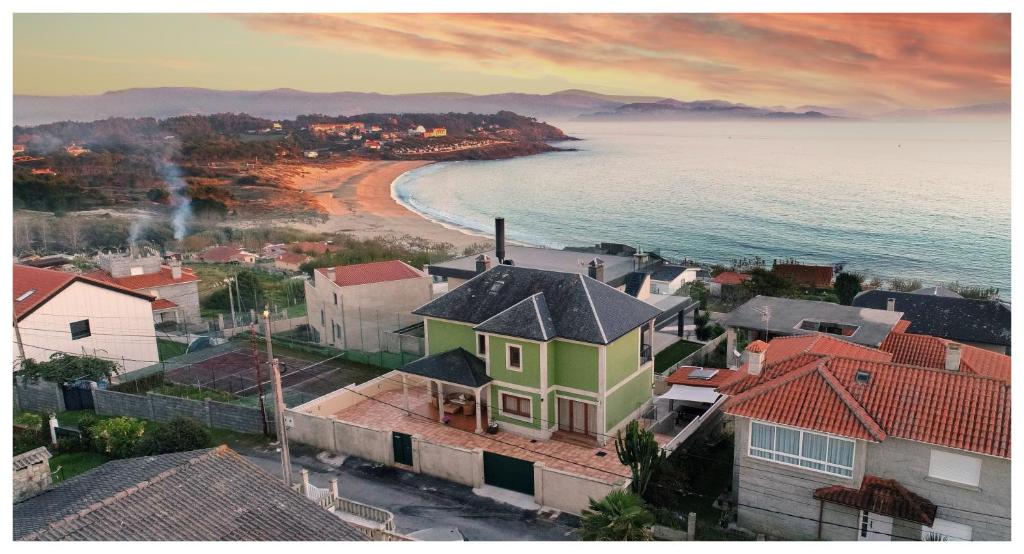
(63, 368)
(638, 450)
(118, 437)
(847, 286)
(620, 516)
(766, 283)
(699, 292)
(181, 434)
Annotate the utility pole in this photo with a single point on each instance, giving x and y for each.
(282, 433)
(259, 378)
(231, 302)
(17, 335)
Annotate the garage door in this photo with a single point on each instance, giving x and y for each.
(508, 473)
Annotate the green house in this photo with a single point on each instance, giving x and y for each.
(542, 353)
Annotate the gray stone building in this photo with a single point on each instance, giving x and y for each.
(175, 289)
(834, 443)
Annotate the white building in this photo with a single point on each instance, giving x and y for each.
(352, 306)
(66, 312)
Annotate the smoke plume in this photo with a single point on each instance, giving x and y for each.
(180, 200)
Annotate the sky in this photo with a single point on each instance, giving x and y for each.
(864, 62)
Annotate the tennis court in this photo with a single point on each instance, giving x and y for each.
(302, 379)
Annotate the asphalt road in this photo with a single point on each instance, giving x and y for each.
(422, 502)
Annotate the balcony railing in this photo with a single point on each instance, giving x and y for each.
(645, 354)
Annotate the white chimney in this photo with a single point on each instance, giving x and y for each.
(331, 274)
(890, 304)
(953, 356)
(175, 269)
(755, 356)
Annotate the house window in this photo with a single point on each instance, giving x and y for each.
(80, 329)
(794, 447)
(955, 468)
(518, 406)
(481, 345)
(334, 331)
(514, 357)
(943, 530)
(323, 318)
(335, 299)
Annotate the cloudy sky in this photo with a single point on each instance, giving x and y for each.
(863, 61)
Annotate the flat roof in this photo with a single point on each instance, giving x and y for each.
(615, 267)
(871, 326)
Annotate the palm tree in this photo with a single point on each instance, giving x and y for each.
(620, 516)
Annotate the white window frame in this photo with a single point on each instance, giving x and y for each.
(508, 357)
(482, 339)
(751, 448)
(947, 458)
(501, 406)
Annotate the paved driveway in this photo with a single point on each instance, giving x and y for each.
(422, 502)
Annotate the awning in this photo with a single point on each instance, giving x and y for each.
(706, 395)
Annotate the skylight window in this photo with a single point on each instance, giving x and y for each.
(863, 377)
(25, 295)
(497, 287)
(829, 327)
(703, 374)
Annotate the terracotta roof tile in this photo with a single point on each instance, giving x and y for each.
(681, 376)
(45, 283)
(757, 346)
(926, 351)
(146, 281)
(163, 304)
(881, 496)
(373, 272)
(817, 276)
(955, 409)
(730, 278)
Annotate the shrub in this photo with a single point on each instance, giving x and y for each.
(620, 516)
(62, 368)
(178, 435)
(29, 419)
(117, 437)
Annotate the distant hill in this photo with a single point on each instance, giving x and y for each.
(700, 110)
(284, 103)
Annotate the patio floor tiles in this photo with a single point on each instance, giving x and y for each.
(385, 412)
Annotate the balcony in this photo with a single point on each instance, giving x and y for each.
(646, 354)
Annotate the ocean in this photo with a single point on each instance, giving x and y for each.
(915, 200)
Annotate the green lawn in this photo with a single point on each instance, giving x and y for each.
(193, 393)
(169, 348)
(674, 353)
(74, 463)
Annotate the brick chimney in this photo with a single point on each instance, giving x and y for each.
(483, 263)
(755, 356)
(595, 269)
(953, 356)
(890, 304)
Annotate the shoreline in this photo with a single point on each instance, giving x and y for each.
(358, 198)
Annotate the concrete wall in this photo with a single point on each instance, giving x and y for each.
(158, 407)
(121, 326)
(364, 312)
(38, 396)
(566, 491)
(459, 465)
(370, 444)
(121, 265)
(185, 295)
(908, 463)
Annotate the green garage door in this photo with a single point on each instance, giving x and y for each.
(508, 473)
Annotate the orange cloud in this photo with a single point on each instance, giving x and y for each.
(867, 61)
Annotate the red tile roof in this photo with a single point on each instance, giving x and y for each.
(46, 283)
(817, 276)
(373, 272)
(757, 346)
(291, 258)
(821, 392)
(163, 304)
(901, 326)
(881, 496)
(222, 254)
(928, 351)
(819, 344)
(730, 278)
(147, 281)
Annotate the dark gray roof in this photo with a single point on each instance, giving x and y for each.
(635, 282)
(667, 272)
(457, 366)
(786, 315)
(202, 495)
(529, 319)
(937, 291)
(579, 308)
(615, 267)
(959, 319)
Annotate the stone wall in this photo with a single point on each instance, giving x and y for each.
(158, 407)
(31, 473)
(38, 396)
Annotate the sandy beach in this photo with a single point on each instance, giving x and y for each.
(357, 198)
